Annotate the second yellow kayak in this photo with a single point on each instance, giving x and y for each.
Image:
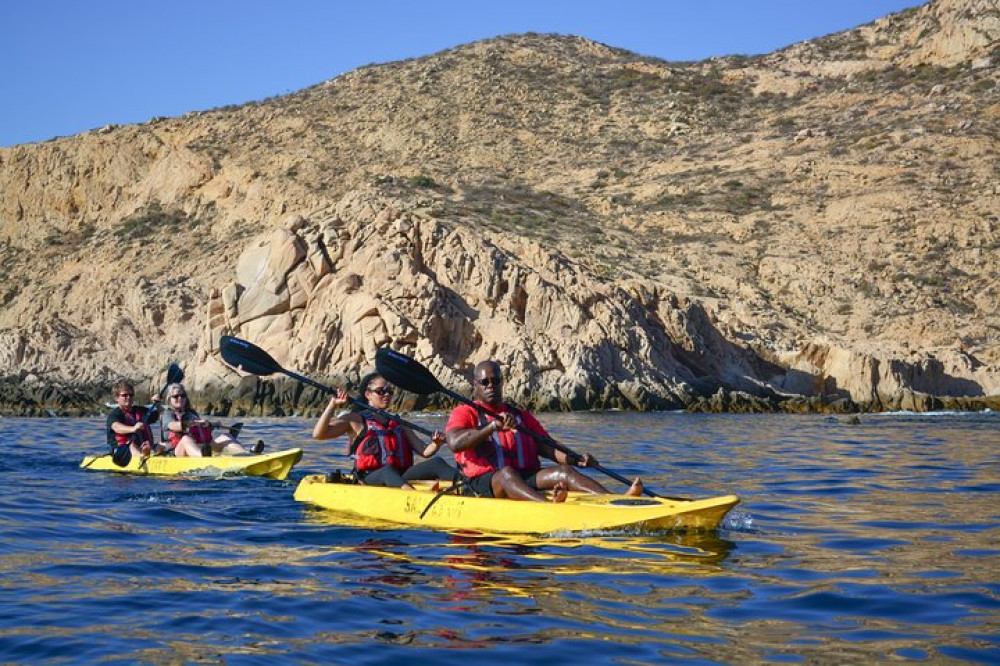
(274, 465)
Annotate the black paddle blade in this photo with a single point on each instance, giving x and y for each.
(122, 455)
(404, 372)
(174, 374)
(247, 357)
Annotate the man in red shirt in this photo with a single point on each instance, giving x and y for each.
(498, 460)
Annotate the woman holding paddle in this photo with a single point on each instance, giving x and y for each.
(497, 448)
(192, 436)
(383, 447)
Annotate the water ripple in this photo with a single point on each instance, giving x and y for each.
(854, 543)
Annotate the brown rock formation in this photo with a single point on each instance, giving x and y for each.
(812, 229)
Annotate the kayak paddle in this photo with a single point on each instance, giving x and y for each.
(410, 375)
(174, 376)
(233, 430)
(122, 455)
(254, 360)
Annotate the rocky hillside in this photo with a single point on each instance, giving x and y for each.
(815, 228)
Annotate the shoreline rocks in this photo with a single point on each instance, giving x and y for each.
(287, 398)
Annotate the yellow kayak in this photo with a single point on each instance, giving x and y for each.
(274, 465)
(580, 511)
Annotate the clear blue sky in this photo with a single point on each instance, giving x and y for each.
(68, 66)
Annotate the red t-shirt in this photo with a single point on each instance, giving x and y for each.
(503, 449)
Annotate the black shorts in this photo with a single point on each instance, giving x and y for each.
(482, 486)
(432, 468)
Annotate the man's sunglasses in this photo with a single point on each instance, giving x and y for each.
(490, 381)
(383, 390)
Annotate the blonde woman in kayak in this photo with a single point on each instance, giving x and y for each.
(383, 448)
(498, 460)
(192, 436)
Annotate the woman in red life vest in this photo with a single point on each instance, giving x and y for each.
(499, 460)
(128, 424)
(191, 435)
(383, 447)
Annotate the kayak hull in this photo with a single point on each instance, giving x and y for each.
(274, 465)
(580, 512)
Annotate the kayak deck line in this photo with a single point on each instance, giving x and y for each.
(425, 507)
(274, 465)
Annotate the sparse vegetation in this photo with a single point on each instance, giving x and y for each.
(785, 124)
(422, 181)
(152, 222)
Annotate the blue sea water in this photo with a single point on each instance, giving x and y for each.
(854, 543)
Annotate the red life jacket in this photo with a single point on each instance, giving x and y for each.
(380, 445)
(504, 448)
(131, 419)
(201, 434)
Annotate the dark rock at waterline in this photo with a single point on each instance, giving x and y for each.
(819, 404)
(29, 395)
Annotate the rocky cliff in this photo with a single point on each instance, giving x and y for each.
(816, 228)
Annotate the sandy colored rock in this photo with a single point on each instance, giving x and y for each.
(814, 228)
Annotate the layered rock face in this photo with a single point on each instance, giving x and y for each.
(816, 229)
(327, 296)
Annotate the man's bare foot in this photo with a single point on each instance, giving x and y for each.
(436, 487)
(635, 489)
(145, 450)
(559, 493)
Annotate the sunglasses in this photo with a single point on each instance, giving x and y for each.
(490, 381)
(383, 390)
(126, 395)
(179, 395)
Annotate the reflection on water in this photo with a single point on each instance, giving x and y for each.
(481, 554)
(854, 543)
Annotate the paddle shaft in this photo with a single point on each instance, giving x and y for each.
(251, 358)
(544, 438)
(151, 409)
(174, 375)
(358, 403)
(234, 429)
